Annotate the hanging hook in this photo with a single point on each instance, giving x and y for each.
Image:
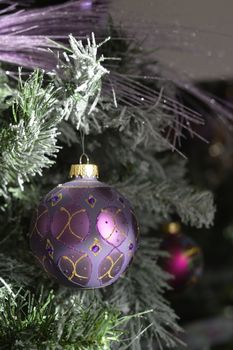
(82, 135)
(81, 158)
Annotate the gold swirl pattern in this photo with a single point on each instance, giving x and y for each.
(48, 267)
(38, 217)
(49, 248)
(67, 225)
(72, 271)
(113, 263)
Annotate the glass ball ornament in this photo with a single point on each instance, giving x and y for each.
(185, 261)
(84, 233)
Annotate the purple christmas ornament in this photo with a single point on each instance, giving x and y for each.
(84, 233)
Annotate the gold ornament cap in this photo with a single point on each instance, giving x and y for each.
(172, 228)
(84, 170)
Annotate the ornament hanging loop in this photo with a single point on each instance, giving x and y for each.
(84, 169)
(84, 155)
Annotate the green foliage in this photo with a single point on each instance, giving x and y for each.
(93, 326)
(6, 90)
(47, 111)
(30, 139)
(160, 188)
(164, 198)
(79, 74)
(26, 321)
(16, 271)
(142, 290)
(34, 321)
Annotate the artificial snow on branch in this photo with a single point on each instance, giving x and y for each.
(79, 73)
(29, 141)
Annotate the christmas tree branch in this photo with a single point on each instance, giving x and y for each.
(42, 321)
(158, 187)
(142, 289)
(79, 73)
(138, 128)
(29, 141)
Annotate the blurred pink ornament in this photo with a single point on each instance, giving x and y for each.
(185, 261)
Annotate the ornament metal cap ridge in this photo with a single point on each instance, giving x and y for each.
(84, 170)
